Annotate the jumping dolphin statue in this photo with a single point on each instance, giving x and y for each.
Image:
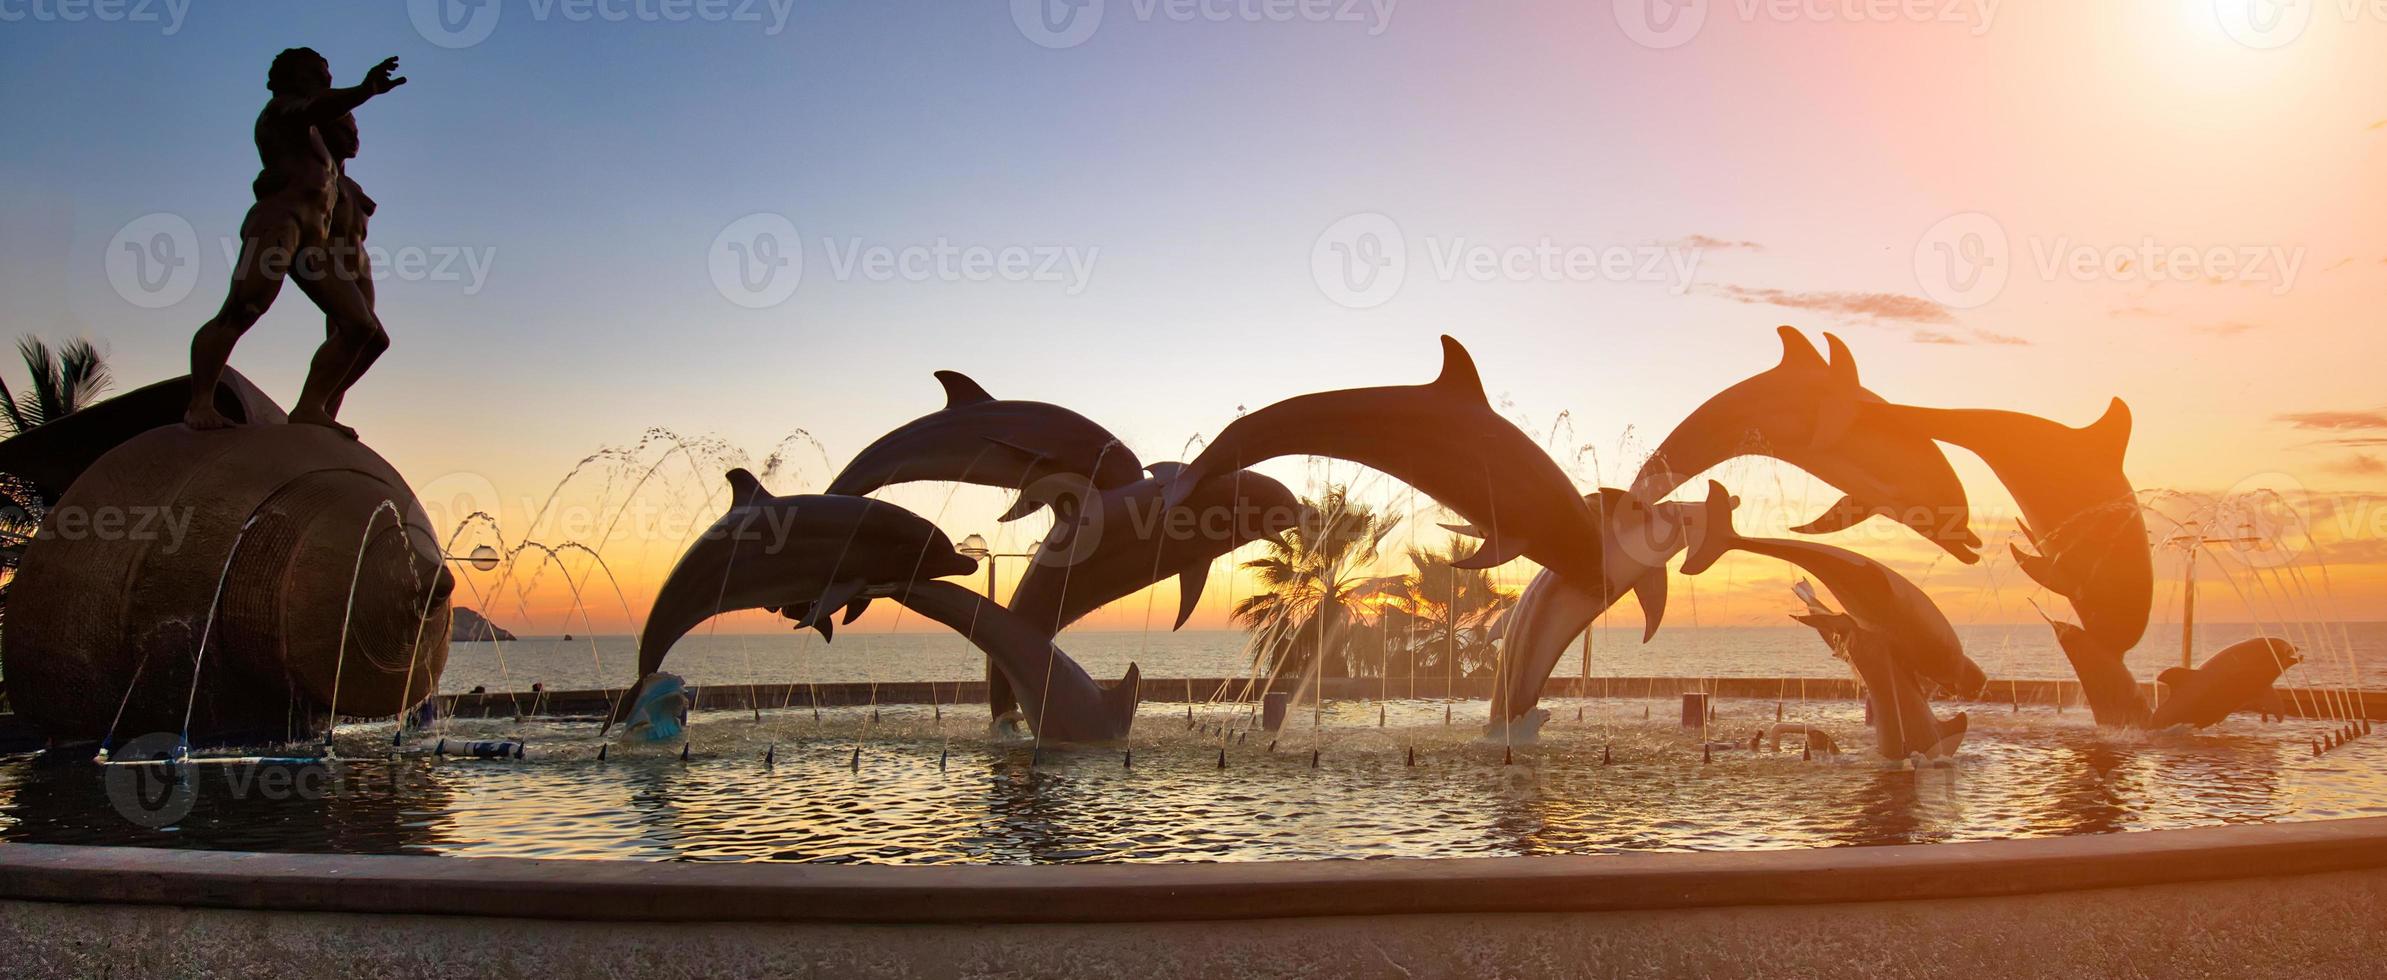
(2078, 509)
(815, 554)
(1638, 540)
(1124, 540)
(1803, 411)
(2225, 682)
(2105, 682)
(1442, 438)
(978, 438)
(1062, 703)
(1903, 725)
(1879, 600)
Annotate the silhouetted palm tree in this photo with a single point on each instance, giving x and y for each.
(1313, 586)
(1442, 615)
(64, 381)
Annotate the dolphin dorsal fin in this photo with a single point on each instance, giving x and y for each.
(960, 390)
(2111, 432)
(1844, 364)
(744, 488)
(1164, 472)
(1797, 351)
(1458, 372)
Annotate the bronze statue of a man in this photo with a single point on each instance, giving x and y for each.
(290, 233)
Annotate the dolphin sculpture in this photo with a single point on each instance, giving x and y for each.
(1062, 702)
(1877, 599)
(1903, 725)
(1125, 540)
(2078, 508)
(1803, 411)
(1443, 438)
(812, 553)
(1638, 540)
(2225, 682)
(2105, 682)
(978, 438)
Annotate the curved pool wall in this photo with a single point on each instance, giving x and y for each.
(2301, 900)
(2292, 702)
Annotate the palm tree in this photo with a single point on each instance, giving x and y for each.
(1313, 586)
(1442, 615)
(64, 381)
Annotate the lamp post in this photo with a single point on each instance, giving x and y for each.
(2191, 540)
(999, 697)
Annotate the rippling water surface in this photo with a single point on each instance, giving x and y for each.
(928, 790)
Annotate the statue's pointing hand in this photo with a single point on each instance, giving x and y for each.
(379, 80)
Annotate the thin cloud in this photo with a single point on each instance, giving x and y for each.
(2334, 421)
(1934, 337)
(2002, 339)
(2359, 464)
(1891, 307)
(2226, 328)
(1713, 244)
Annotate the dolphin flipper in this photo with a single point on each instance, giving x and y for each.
(833, 598)
(2040, 568)
(1190, 583)
(1651, 589)
(854, 610)
(1498, 550)
(1847, 513)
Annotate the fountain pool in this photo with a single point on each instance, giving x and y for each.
(914, 788)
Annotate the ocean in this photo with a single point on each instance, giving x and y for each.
(2346, 654)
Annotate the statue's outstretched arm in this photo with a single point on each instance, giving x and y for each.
(334, 103)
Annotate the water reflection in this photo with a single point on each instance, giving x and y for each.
(1611, 783)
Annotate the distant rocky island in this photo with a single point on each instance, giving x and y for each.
(470, 626)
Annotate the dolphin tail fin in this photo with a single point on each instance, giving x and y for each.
(1190, 583)
(1119, 701)
(1847, 513)
(1651, 589)
(1713, 535)
(1951, 737)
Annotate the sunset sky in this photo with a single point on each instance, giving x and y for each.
(1164, 212)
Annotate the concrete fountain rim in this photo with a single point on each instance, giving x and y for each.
(610, 890)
